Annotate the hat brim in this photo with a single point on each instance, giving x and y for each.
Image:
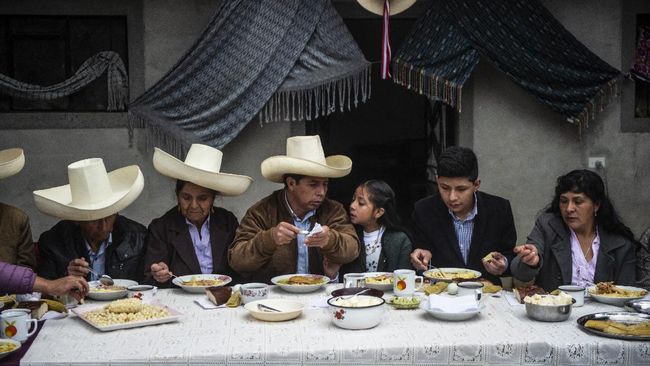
(377, 6)
(275, 167)
(224, 183)
(127, 184)
(11, 162)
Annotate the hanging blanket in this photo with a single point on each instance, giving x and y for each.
(521, 38)
(283, 60)
(641, 68)
(91, 69)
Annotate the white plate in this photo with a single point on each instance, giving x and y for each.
(424, 305)
(16, 343)
(616, 301)
(451, 270)
(82, 310)
(379, 286)
(109, 295)
(289, 309)
(178, 281)
(299, 288)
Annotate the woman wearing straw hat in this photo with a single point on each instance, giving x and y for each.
(192, 237)
(16, 246)
(268, 241)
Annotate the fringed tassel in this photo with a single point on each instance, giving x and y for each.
(118, 89)
(433, 87)
(319, 101)
(596, 105)
(155, 137)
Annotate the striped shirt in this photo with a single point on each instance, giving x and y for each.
(302, 224)
(464, 229)
(98, 259)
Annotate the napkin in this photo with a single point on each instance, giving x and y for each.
(315, 230)
(459, 304)
(206, 304)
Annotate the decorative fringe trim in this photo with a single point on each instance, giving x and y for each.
(118, 89)
(321, 100)
(155, 137)
(416, 79)
(596, 105)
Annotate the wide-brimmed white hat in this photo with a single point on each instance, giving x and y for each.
(11, 162)
(92, 193)
(202, 166)
(305, 156)
(377, 6)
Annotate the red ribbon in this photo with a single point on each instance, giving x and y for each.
(385, 43)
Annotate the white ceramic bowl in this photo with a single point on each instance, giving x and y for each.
(278, 280)
(289, 309)
(109, 295)
(616, 301)
(442, 315)
(178, 281)
(349, 317)
(15, 343)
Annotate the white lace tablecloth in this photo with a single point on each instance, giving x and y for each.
(501, 335)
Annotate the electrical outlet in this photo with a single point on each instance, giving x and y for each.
(595, 161)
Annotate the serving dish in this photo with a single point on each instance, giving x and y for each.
(353, 290)
(385, 285)
(452, 274)
(289, 309)
(281, 281)
(96, 294)
(618, 316)
(549, 313)
(182, 282)
(451, 316)
(9, 341)
(359, 312)
(615, 300)
(82, 311)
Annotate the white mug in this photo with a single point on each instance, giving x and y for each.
(142, 292)
(471, 288)
(16, 324)
(577, 292)
(253, 291)
(354, 280)
(404, 282)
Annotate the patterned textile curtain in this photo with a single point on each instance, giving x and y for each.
(641, 68)
(91, 69)
(281, 60)
(521, 38)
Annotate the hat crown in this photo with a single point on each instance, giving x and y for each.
(204, 157)
(306, 148)
(89, 181)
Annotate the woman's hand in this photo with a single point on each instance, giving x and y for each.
(420, 259)
(496, 263)
(78, 267)
(160, 272)
(528, 254)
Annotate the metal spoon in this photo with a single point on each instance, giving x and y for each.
(353, 295)
(105, 280)
(263, 307)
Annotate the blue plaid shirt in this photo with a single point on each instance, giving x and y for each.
(464, 229)
(302, 224)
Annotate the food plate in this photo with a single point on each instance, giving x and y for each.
(96, 293)
(452, 274)
(81, 313)
(289, 309)
(282, 282)
(405, 302)
(197, 287)
(443, 315)
(5, 343)
(618, 316)
(613, 300)
(383, 285)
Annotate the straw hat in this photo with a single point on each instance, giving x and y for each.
(202, 167)
(377, 6)
(92, 193)
(11, 162)
(305, 156)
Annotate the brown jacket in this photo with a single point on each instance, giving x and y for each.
(16, 246)
(254, 253)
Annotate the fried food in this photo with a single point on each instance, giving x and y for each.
(304, 280)
(435, 288)
(7, 347)
(125, 311)
(444, 275)
(234, 300)
(384, 279)
(610, 290)
(201, 282)
(613, 327)
(489, 287)
(488, 257)
(131, 305)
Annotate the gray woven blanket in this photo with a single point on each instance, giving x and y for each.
(279, 59)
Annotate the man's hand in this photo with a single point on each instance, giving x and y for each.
(330, 269)
(420, 259)
(160, 272)
(495, 263)
(528, 254)
(320, 239)
(78, 267)
(73, 285)
(284, 233)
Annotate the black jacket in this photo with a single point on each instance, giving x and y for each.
(494, 230)
(63, 243)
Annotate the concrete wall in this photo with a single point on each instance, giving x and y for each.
(523, 146)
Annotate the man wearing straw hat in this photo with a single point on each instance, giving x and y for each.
(271, 238)
(93, 239)
(16, 246)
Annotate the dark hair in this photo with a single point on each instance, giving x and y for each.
(181, 183)
(381, 195)
(590, 183)
(296, 177)
(458, 162)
